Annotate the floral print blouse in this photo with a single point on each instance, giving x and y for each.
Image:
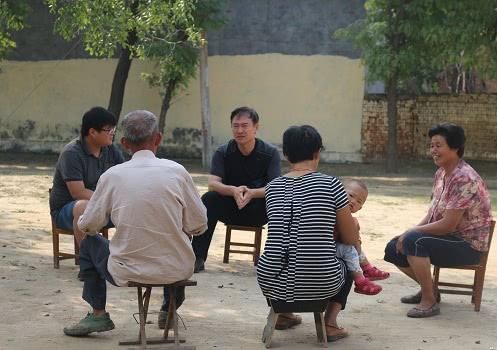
(463, 189)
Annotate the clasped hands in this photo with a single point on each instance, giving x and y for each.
(242, 195)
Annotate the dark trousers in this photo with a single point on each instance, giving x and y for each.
(224, 209)
(444, 251)
(93, 256)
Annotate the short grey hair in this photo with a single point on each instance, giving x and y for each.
(139, 126)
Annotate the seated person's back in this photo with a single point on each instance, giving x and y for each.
(147, 202)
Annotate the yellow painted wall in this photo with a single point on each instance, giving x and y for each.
(324, 91)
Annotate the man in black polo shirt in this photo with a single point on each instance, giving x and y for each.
(240, 170)
(79, 167)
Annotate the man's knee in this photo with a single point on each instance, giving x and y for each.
(79, 207)
(93, 243)
(211, 199)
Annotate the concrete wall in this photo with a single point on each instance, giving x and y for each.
(477, 114)
(41, 103)
(291, 27)
(277, 56)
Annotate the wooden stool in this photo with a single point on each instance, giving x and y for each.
(172, 316)
(317, 307)
(57, 254)
(255, 252)
(476, 288)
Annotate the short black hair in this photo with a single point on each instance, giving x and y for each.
(301, 143)
(96, 118)
(249, 112)
(453, 135)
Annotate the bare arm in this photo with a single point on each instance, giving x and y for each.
(215, 183)
(445, 226)
(78, 191)
(98, 210)
(347, 226)
(425, 219)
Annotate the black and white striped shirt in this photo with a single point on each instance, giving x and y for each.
(299, 260)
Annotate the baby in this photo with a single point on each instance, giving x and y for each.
(362, 271)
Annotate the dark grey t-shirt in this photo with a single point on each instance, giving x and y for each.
(75, 163)
(254, 171)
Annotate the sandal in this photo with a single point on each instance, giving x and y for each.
(336, 333)
(286, 321)
(367, 287)
(374, 274)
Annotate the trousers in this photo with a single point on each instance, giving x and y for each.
(93, 256)
(224, 209)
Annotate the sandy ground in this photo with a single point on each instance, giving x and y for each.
(226, 310)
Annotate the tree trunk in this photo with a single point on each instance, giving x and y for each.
(119, 82)
(122, 69)
(392, 161)
(166, 103)
(205, 106)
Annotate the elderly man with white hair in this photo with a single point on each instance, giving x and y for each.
(155, 208)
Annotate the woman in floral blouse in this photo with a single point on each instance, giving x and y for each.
(456, 228)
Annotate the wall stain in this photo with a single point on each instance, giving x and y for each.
(24, 130)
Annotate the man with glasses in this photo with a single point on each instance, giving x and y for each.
(80, 165)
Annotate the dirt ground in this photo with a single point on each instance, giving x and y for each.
(226, 310)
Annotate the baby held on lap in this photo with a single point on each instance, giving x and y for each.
(362, 271)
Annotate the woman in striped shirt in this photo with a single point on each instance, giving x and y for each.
(299, 262)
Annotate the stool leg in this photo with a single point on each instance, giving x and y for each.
(321, 329)
(175, 320)
(227, 245)
(146, 301)
(269, 328)
(171, 311)
(76, 252)
(257, 244)
(55, 244)
(142, 337)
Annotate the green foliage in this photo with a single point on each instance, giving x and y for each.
(417, 38)
(106, 25)
(177, 58)
(12, 16)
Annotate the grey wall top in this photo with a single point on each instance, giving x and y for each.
(294, 27)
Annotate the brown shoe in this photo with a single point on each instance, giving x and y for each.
(334, 333)
(286, 321)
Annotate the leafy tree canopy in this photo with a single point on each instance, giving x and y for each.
(178, 58)
(416, 38)
(12, 15)
(104, 25)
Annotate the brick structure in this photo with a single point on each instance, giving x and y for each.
(477, 114)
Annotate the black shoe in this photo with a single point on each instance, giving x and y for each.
(80, 277)
(199, 265)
